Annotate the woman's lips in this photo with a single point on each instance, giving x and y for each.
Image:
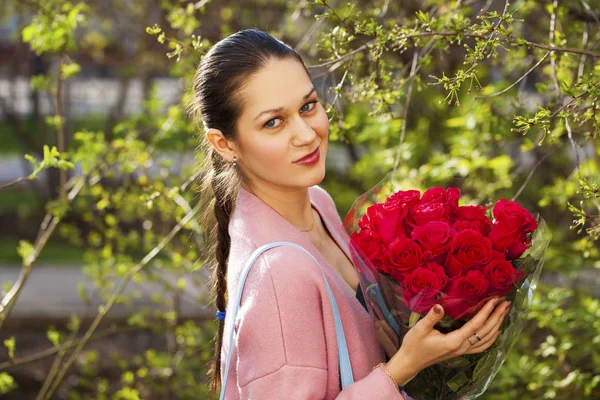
(311, 158)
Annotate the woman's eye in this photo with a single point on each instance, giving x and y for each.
(271, 123)
(310, 105)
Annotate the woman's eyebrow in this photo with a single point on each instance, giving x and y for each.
(279, 109)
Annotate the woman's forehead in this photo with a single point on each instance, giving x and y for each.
(280, 83)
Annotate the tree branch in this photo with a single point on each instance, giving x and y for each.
(48, 226)
(517, 81)
(9, 184)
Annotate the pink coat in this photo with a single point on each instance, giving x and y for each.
(285, 343)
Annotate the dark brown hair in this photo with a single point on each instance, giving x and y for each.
(223, 71)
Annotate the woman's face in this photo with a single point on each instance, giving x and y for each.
(281, 122)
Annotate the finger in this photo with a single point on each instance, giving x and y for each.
(472, 345)
(484, 344)
(434, 315)
(491, 335)
(475, 323)
(494, 321)
(487, 332)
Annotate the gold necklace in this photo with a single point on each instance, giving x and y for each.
(308, 230)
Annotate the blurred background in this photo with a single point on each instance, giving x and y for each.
(102, 292)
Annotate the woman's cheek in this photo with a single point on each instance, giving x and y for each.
(271, 154)
(322, 124)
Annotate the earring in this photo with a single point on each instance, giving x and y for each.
(234, 162)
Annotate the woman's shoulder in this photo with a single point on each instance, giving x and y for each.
(286, 266)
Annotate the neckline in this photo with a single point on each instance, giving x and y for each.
(335, 235)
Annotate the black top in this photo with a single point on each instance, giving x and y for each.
(360, 297)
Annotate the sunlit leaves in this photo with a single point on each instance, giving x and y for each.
(54, 32)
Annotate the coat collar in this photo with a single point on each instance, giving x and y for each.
(256, 220)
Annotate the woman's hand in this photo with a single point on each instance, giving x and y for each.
(424, 346)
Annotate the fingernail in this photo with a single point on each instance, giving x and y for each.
(437, 309)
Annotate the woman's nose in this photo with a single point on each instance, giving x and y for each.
(304, 133)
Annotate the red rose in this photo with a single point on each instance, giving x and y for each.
(404, 256)
(382, 263)
(385, 221)
(502, 276)
(472, 217)
(363, 223)
(468, 249)
(512, 223)
(424, 213)
(514, 216)
(422, 287)
(511, 242)
(439, 195)
(464, 295)
(368, 241)
(435, 239)
(408, 198)
(497, 255)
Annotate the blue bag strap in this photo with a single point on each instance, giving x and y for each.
(343, 356)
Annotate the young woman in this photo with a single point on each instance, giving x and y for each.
(265, 145)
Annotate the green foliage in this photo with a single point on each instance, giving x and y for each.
(7, 383)
(10, 347)
(53, 28)
(52, 159)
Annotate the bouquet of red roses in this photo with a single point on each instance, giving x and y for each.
(415, 250)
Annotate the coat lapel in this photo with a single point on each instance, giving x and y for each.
(258, 221)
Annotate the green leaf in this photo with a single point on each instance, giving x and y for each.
(457, 381)
(24, 249)
(10, 346)
(54, 336)
(7, 383)
(69, 70)
(74, 323)
(414, 318)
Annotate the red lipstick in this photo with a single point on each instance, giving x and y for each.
(310, 159)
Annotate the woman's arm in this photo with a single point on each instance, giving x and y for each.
(282, 340)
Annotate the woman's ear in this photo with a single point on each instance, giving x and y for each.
(221, 145)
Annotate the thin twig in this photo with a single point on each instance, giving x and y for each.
(517, 81)
(413, 69)
(66, 345)
(9, 184)
(591, 12)
(552, 55)
(574, 100)
(561, 49)
(573, 146)
(345, 56)
(584, 42)
(530, 175)
(60, 128)
(340, 88)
